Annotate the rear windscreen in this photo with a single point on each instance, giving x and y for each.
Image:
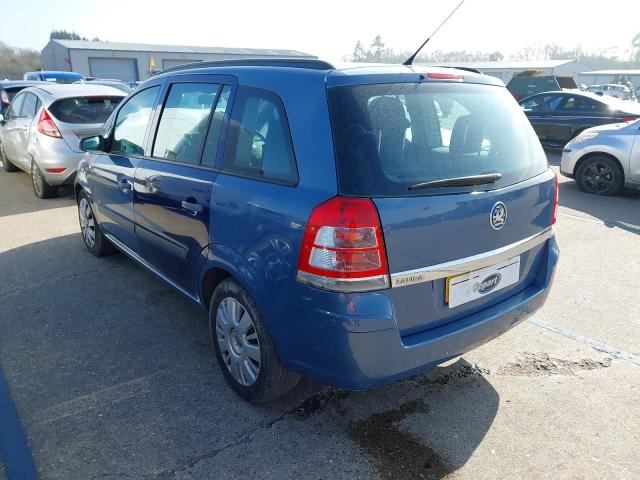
(84, 109)
(388, 137)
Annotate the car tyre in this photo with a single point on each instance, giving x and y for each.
(244, 348)
(600, 175)
(40, 186)
(92, 236)
(6, 164)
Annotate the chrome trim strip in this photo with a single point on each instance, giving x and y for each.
(467, 264)
(350, 285)
(134, 256)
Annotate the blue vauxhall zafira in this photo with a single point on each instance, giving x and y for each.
(355, 225)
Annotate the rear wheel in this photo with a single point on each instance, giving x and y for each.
(244, 349)
(600, 175)
(92, 236)
(40, 186)
(6, 164)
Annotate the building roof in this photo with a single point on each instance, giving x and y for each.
(612, 72)
(510, 65)
(144, 47)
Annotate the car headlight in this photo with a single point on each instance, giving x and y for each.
(583, 137)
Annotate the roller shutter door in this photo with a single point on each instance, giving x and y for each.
(125, 69)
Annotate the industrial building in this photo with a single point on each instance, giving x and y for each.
(136, 61)
(599, 77)
(504, 70)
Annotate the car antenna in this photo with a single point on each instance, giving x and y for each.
(409, 61)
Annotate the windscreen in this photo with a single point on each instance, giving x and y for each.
(390, 137)
(84, 109)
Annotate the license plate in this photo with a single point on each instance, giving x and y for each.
(470, 286)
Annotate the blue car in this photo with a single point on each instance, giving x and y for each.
(53, 76)
(353, 225)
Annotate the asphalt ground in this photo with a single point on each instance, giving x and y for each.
(112, 375)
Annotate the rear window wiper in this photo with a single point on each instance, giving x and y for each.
(482, 179)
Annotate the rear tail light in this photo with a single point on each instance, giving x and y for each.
(46, 125)
(343, 248)
(554, 216)
(4, 98)
(629, 119)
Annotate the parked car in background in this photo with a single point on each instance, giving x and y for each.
(54, 77)
(525, 86)
(617, 91)
(335, 223)
(41, 130)
(557, 117)
(9, 89)
(110, 83)
(604, 159)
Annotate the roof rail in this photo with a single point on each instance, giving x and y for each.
(309, 63)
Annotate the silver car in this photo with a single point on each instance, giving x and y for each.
(41, 130)
(604, 159)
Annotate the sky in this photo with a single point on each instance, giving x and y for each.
(329, 28)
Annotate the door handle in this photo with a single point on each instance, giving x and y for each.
(191, 205)
(125, 184)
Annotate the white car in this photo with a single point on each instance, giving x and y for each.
(604, 159)
(618, 91)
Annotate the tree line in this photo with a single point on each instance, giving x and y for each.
(378, 52)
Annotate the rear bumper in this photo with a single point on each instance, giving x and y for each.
(359, 360)
(54, 153)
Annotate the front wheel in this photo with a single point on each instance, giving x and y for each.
(92, 236)
(6, 164)
(600, 175)
(244, 349)
(40, 186)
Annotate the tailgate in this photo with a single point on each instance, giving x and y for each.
(432, 237)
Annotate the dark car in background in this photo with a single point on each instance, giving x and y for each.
(557, 117)
(53, 76)
(524, 86)
(9, 89)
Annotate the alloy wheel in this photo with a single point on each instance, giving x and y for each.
(598, 176)
(37, 179)
(238, 341)
(87, 223)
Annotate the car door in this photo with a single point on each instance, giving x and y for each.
(112, 173)
(540, 110)
(174, 184)
(26, 129)
(634, 160)
(11, 126)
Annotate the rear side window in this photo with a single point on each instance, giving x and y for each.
(183, 123)
(15, 107)
(388, 137)
(82, 110)
(215, 127)
(259, 141)
(30, 106)
(132, 121)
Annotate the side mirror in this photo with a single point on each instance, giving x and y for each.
(92, 144)
(1, 119)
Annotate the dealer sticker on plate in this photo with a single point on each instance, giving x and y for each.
(479, 283)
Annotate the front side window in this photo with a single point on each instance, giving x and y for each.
(183, 123)
(259, 142)
(391, 137)
(132, 121)
(84, 110)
